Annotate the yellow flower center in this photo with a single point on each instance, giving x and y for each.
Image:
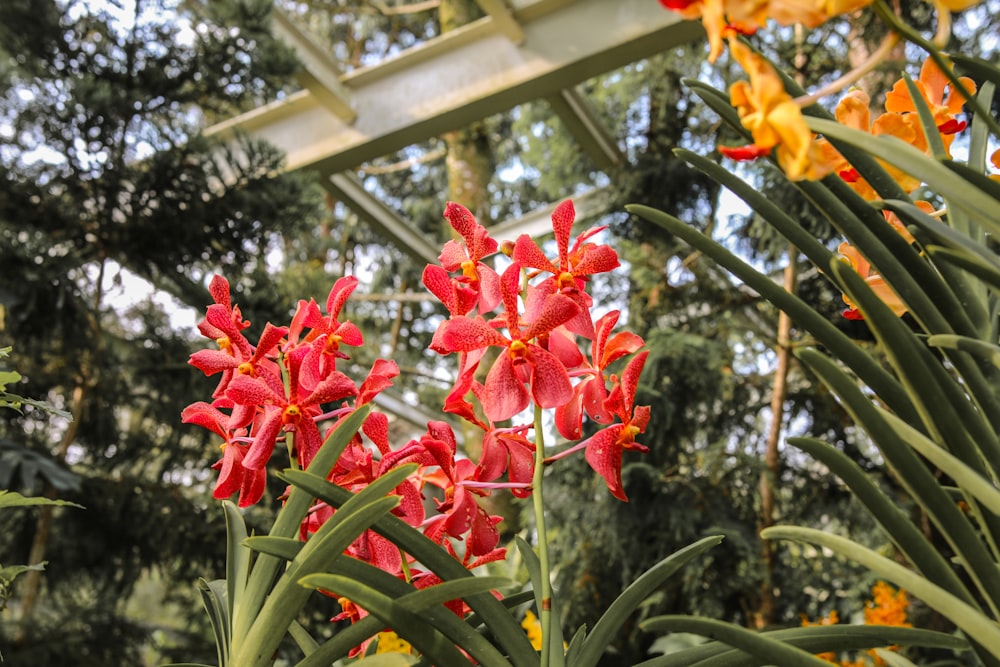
(517, 350)
(291, 414)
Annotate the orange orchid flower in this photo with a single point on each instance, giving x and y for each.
(877, 284)
(944, 101)
(853, 111)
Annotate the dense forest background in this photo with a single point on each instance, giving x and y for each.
(115, 212)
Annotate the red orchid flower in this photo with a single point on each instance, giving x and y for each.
(524, 362)
(508, 450)
(604, 448)
(294, 412)
(459, 514)
(326, 332)
(233, 476)
(590, 394)
(229, 363)
(576, 264)
(478, 283)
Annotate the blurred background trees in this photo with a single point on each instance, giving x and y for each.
(108, 184)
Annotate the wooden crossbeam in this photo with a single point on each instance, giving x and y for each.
(463, 76)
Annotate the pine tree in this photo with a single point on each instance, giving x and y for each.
(105, 179)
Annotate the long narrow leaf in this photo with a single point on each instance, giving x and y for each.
(975, 346)
(887, 387)
(407, 624)
(282, 547)
(305, 641)
(814, 639)
(611, 621)
(237, 559)
(213, 596)
(974, 264)
(908, 538)
(286, 524)
(461, 632)
(768, 650)
(971, 621)
(502, 624)
(965, 477)
(785, 224)
(918, 480)
(963, 428)
(286, 600)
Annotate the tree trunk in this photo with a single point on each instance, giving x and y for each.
(767, 610)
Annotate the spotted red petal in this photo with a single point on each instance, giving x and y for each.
(338, 295)
(604, 455)
(562, 222)
(219, 289)
(465, 334)
(527, 253)
(550, 384)
(504, 394)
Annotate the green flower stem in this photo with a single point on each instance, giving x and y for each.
(545, 594)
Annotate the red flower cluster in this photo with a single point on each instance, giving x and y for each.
(539, 350)
(286, 388)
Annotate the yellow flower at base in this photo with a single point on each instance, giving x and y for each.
(533, 628)
(774, 119)
(390, 642)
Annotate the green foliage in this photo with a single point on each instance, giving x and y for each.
(107, 183)
(925, 395)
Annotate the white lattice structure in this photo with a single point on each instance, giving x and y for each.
(522, 50)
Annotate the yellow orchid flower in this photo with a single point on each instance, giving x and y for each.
(774, 119)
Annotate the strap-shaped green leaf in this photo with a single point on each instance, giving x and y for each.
(973, 264)
(407, 624)
(975, 346)
(282, 547)
(506, 630)
(977, 67)
(286, 524)
(462, 632)
(213, 596)
(286, 600)
(814, 639)
(769, 651)
(718, 102)
(15, 499)
(907, 537)
(305, 641)
(962, 427)
(237, 560)
(785, 224)
(610, 623)
(971, 621)
(965, 477)
(870, 371)
(913, 473)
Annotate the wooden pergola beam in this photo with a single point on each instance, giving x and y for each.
(463, 76)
